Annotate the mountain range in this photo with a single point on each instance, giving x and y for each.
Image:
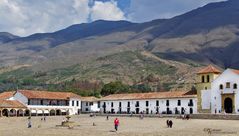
(170, 49)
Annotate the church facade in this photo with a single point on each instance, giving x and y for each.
(217, 91)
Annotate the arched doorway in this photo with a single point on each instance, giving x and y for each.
(13, 112)
(20, 112)
(52, 112)
(5, 112)
(27, 112)
(191, 110)
(228, 106)
(58, 112)
(182, 110)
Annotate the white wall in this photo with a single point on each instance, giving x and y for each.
(173, 103)
(72, 109)
(227, 76)
(86, 107)
(75, 108)
(206, 99)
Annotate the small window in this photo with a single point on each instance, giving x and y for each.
(208, 78)
(104, 105)
(190, 102)
(73, 103)
(91, 103)
(157, 103)
(77, 103)
(234, 86)
(119, 104)
(98, 104)
(137, 104)
(86, 104)
(179, 102)
(147, 103)
(167, 103)
(228, 85)
(205, 88)
(221, 86)
(128, 104)
(203, 79)
(112, 104)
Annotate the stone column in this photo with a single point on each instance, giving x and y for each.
(36, 113)
(30, 112)
(8, 113)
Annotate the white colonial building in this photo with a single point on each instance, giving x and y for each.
(177, 102)
(90, 104)
(29, 102)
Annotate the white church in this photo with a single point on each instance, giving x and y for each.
(218, 91)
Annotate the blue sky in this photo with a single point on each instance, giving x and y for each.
(25, 17)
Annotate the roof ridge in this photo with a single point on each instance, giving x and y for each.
(209, 69)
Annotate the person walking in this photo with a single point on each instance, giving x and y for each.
(167, 122)
(170, 123)
(29, 122)
(116, 123)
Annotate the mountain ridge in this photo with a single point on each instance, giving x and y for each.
(121, 50)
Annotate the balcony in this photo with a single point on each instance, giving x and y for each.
(190, 104)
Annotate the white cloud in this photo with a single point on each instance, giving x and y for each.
(146, 10)
(107, 11)
(24, 17)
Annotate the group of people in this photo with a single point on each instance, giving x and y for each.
(29, 124)
(185, 117)
(116, 122)
(43, 118)
(169, 123)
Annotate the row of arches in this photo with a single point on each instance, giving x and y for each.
(33, 112)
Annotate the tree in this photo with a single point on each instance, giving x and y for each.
(114, 87)
(142, 88)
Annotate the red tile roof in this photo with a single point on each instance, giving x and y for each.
(6, 95)
(48, 95)
(89, 99)
(235, 71)
(11, 104)
(153, 95)
(209, 69)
